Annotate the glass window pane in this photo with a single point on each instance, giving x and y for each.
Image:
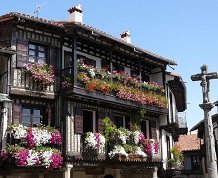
(26, 119)
(41, 48)
(32, 59)
(36, 112)
(32, 46)
(26, 111)
(41, 60)
(41, 54)
(36, 120)
(32, 53)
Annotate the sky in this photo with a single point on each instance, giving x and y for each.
(184, 31)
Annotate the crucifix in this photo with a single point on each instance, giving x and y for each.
(205, 83)
(205, 78)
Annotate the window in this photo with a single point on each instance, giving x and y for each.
(145, 128)
(37, 53)
(118, 68)
(32, 116)
(145, 77)
(87, 60)
(88, 119)
(195, 162)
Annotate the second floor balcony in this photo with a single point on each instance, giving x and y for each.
(37, 80)
(113, 87)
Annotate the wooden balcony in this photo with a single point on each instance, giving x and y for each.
(101, 157)
(108, 91)
(23, 84)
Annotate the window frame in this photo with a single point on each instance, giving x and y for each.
(32, 116)
(37, 51)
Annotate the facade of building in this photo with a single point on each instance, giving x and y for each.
(101, 84)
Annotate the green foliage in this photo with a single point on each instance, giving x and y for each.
(110, 129)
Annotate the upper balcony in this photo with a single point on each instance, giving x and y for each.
(36, 80)
(115, 88)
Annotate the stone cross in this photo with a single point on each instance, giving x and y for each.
(205, 83)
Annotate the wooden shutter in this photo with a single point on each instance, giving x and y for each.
(101, 116)
(131, 124)
(22, 52)
(78, 120)
(50, 113)
(153, 130)
(55, 58)
(17, 113)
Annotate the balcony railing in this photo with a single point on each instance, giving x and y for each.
(23, 83)
(116, 84)
(89, 153)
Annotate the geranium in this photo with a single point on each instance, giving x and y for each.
(66, 82)
(41, 72)
(94, 140)
(117, 150)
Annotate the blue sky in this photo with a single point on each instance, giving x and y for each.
(185, 31)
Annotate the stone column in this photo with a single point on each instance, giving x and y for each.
(67, 173)
(209, 139)
(117, 173)
(155, 172)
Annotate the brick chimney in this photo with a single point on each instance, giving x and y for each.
(76, 14)
(125, 36)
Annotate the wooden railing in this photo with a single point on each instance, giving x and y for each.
(22, 83)
(88, 153)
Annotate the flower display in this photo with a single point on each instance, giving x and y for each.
(36, 136)
(37, 150)
(45, 156)
(66, 83)
(94, 140)
(132, 142)
(41, 72)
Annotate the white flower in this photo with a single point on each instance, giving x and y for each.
(137, 136)
(46, 158)
(123, 136)
(140, 152)
(117, 150)
(19, 131)
(41, 136)
(92, 73)
(33, 158)
(95, 141)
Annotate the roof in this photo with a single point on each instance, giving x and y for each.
(69, 24)
(189, 142)
(200, 124)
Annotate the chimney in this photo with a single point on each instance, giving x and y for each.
(76, 14)
(125, 36)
